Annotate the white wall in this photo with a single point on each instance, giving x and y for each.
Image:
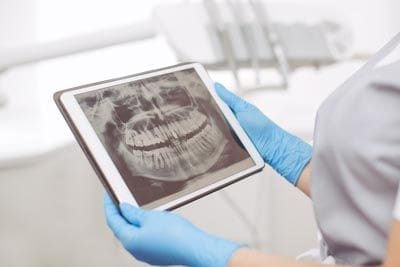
(17, 25)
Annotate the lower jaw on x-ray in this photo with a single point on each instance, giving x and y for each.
(163, 134)
(174, 150)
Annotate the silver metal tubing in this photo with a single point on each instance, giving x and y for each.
(223, 35)
(273, 40)
(248, 38)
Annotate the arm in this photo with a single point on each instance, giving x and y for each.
(304, 181)
(393, 248)
(247, 257)
(393, 256)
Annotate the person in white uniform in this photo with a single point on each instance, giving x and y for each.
(352, 175)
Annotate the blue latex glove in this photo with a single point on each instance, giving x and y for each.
(164, 238)
(285, 153)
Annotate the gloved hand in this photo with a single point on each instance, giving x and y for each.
(285, 153)
(164, 238)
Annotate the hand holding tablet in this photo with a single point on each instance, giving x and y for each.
(159, 139)
(284, 152)
(165, 238)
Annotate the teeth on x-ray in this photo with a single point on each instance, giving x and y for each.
(198, 139)
(164, 134)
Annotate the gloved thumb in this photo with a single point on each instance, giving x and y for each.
(133, 215)
(236, 103)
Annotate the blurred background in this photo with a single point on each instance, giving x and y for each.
(283, 56)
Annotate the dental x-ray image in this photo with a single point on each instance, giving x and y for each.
(165, 134)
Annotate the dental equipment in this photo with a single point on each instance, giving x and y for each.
(231, 35)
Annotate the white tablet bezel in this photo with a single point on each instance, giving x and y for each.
(105, 163)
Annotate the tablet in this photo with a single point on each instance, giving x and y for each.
(159, 139)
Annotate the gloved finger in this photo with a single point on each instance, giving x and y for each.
(236, 103)
(115, 221)
(133, 215)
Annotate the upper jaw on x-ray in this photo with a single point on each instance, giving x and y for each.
(164, 134)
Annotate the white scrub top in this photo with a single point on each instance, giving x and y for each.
(356, 162)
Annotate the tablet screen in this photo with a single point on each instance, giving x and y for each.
(166, 135)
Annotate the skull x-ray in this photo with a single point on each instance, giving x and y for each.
(165, 134)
